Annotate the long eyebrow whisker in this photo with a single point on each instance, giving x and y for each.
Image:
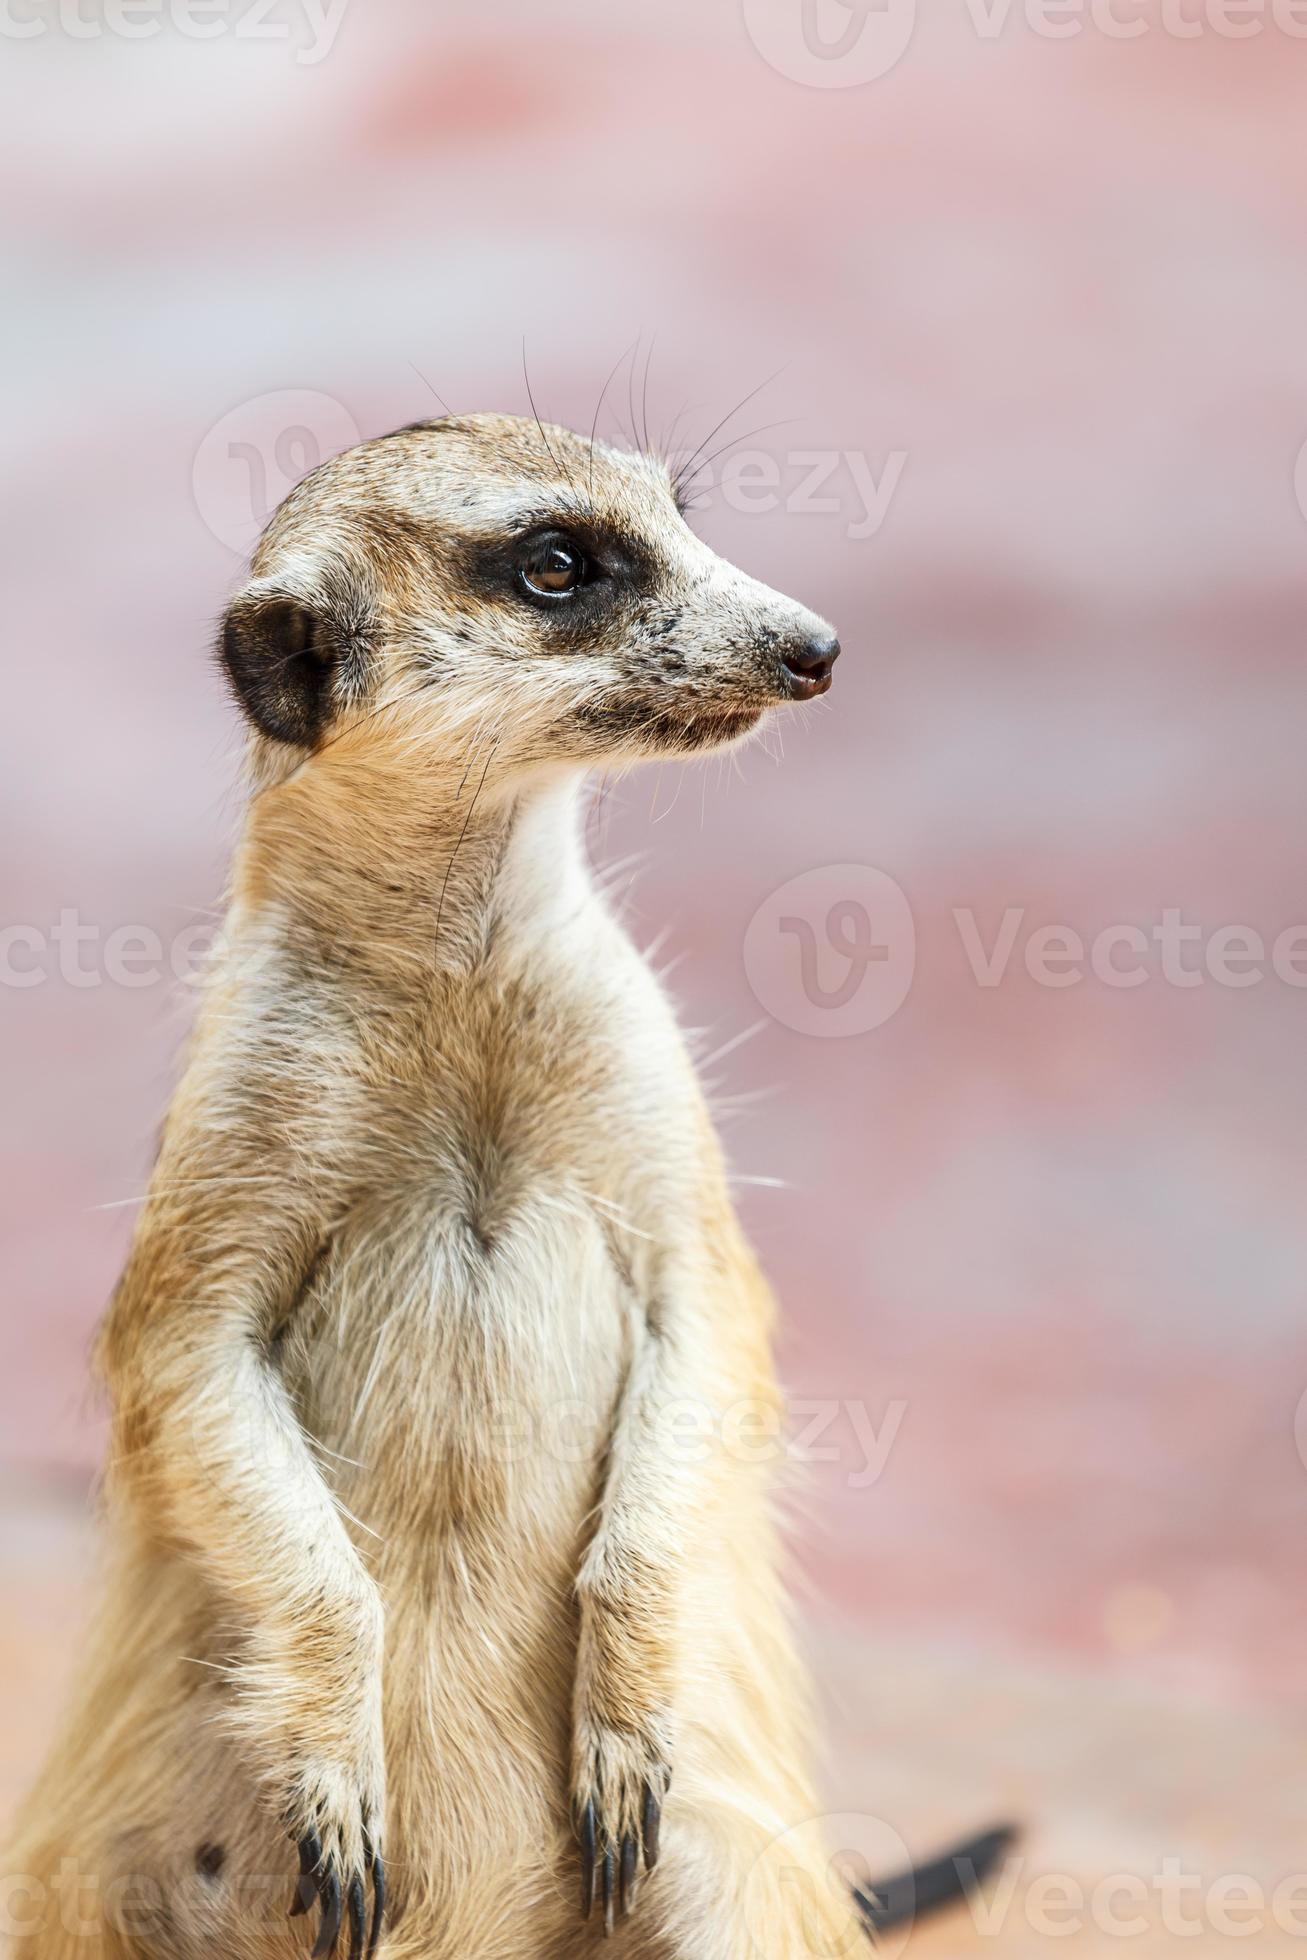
(559, 466)
(630, 391)
(764, 428)
(719, 426)
(434, 390)
(667, 440)
(594, 423)
(644, 398)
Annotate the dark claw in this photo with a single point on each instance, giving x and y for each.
(306, 1893)
(630, 1861)
(588, 1833)
(378, 1902)
(329, 1893)
(306, 1889)
(610, 1889)
(354, 1900)
(651, 1824)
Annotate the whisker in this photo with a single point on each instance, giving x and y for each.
(736, 1041)
(719, 426)
(630, 391)
(644, 397)
(764, 428)
(440, 907)
(435, 391)
(561, 468)
(594, 424)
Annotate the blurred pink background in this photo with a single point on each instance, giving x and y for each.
(1053, 1235)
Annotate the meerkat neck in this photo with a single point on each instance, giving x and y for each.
(409, 887)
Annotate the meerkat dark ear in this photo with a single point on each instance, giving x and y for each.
(282, 659)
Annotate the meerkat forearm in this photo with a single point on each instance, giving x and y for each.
(209, 1449)
(628, 1593)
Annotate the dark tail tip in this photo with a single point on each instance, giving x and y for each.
(941, 1882)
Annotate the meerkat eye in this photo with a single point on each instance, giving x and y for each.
(553, 567)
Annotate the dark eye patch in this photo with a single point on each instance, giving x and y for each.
(616, 567)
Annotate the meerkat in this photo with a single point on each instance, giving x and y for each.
(431, 1564)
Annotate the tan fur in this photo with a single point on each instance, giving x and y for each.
(409, 1531)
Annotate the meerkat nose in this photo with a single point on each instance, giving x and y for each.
(809, 665)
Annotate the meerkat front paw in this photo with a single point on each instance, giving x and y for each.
(309, 1711)
(620, 1780)
(337, 1831)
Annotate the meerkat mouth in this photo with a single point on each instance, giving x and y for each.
(719, 726)
(684, 727)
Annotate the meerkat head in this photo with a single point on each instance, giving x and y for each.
(486, 578)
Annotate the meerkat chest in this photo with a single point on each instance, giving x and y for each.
(475, 1316)
(452, 1366)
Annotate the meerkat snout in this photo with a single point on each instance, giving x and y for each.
(487, 576)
